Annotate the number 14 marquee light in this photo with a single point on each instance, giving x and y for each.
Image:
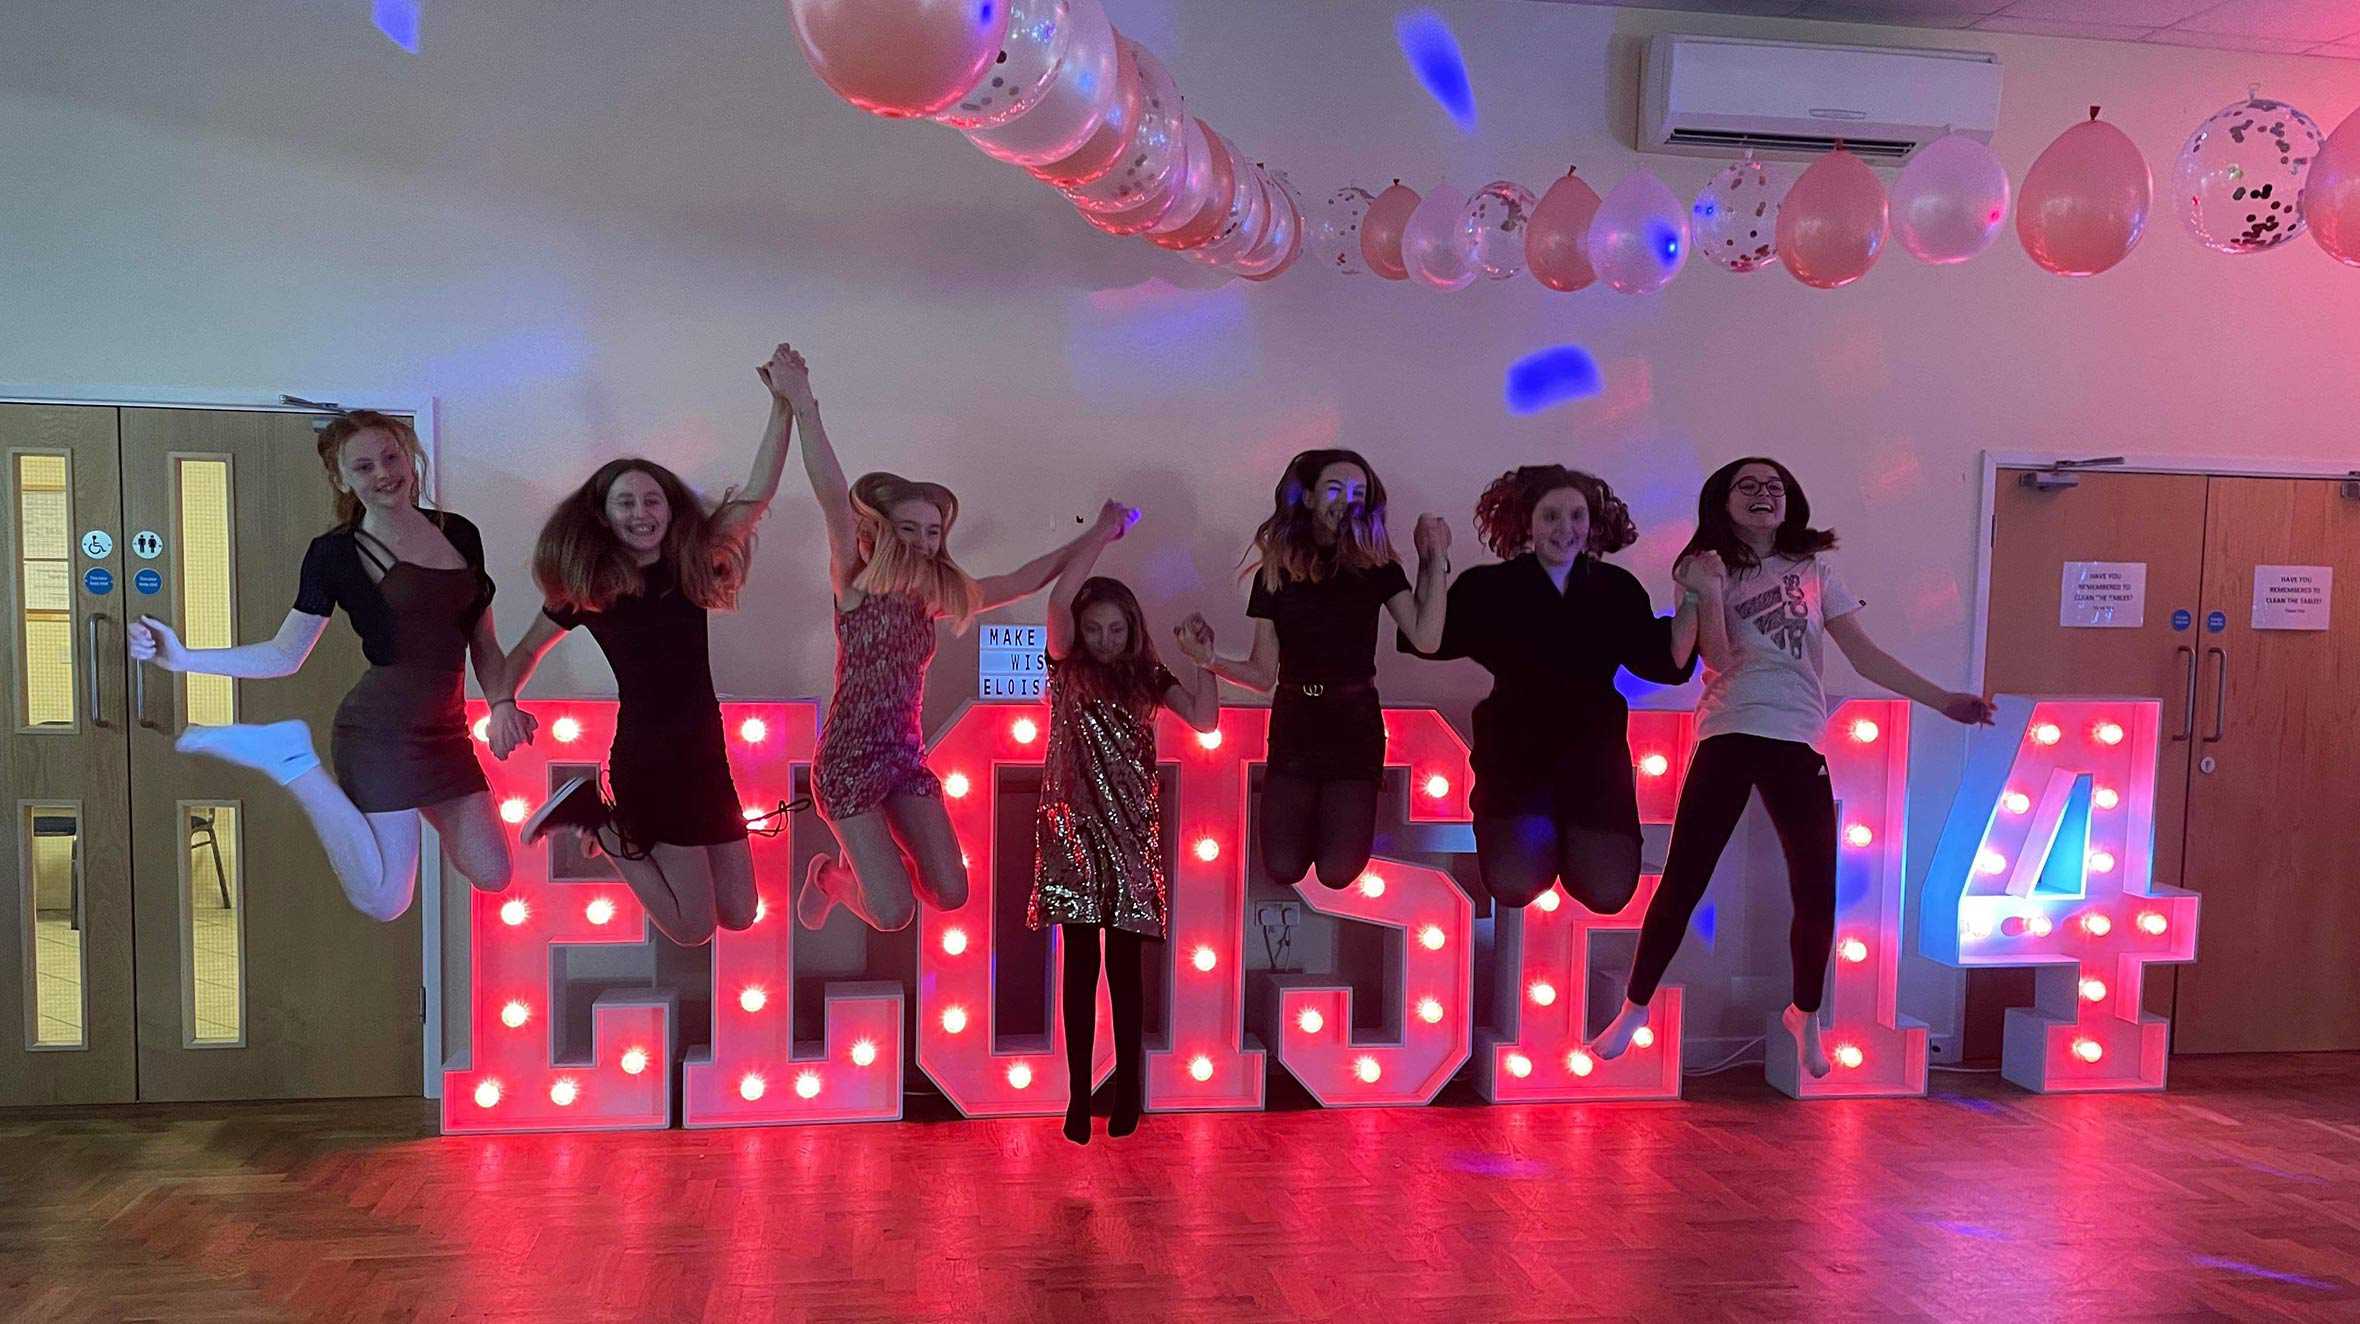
(2078, 788)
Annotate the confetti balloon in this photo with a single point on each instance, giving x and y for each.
(1156, 149)
(899, 58)
(1118, 127)
(1334, 242)
(1073, 103)
(1497, 217)
(2238, 184)
(1734, 221)
(1019, 72)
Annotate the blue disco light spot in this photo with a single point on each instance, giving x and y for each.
(1666, 242)
(1433, 55)
(1706, 923)
(1851, 892)
(1551, 377)
(983, 13)
(398, 20)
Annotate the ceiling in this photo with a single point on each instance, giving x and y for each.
(2282, 27)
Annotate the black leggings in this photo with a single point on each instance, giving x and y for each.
(1123, 975)
(1521, 854)
(1307, 823)
(1792, 778)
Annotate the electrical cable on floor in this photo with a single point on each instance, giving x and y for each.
(1965, 1071)
(1742, 1057)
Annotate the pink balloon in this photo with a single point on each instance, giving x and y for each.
(1195, 172)
(1435, 246)
(900, 58)
(1249, 215)
(2331, 200)
(1639, 238)
(1557, 241)
(1019, 72)
(1070, 108)
(2085, 200)
(1118, 125)
(1832, 224)
(1950, 200)
(1380, 231)
(1156, 151)
(1220, 191)
(1282, 241)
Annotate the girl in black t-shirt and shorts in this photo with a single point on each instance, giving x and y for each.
(1323, 569)
(413, 585)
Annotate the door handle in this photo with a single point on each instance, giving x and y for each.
(2220, 690)
(96, 717)
(2188, 710)
(139, 696)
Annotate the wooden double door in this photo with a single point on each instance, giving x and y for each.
(2258, 797)
(172, 930)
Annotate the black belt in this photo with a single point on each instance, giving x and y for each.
(1335, 688)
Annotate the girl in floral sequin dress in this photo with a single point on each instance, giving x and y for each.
(890, 567)
(1098, 841)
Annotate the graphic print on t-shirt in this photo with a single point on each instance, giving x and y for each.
(1782, 613)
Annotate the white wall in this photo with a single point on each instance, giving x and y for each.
(579, 223)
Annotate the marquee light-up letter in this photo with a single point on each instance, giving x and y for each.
(1428, 1025)
(755, 1073)
(1538, 1053)
(2046, 860)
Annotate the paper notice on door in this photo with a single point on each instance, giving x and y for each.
(2292, 597)
(2103, 595)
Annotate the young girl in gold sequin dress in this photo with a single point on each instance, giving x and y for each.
(1099, 838)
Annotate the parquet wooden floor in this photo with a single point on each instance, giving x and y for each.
(2234, 1195)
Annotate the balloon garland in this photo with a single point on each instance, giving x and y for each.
(1051, 87)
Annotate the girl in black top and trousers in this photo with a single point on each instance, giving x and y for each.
(413, 584)
(1323, 569)
(1553, 624)
(636, 557)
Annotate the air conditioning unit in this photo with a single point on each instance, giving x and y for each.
(1724, 96)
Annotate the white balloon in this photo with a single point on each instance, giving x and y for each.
(1435, 245)
(1950, 200)
(1495, 221)
(1639, 238)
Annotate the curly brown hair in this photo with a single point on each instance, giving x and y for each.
(1503, 514)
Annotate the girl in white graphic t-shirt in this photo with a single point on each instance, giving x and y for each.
(1768, 596)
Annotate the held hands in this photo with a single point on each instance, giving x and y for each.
(1966, 709)
(1114, 520)
(1195, 638)
(789, 378)
(153, 641)
(1431, 538)
(1703, 574)
(511, 726)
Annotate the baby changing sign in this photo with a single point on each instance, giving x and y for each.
(1012, 662)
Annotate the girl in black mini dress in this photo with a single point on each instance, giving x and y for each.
(413, 584)
(637, 558)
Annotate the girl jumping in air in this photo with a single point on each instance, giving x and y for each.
(1324, 568)
(1099, 837)
(413, 585)
(1768, 593)
(635, 555)
(890, 567)
(1553, 623)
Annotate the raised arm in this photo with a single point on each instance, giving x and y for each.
(819, 463)
(511, 725)
(1113, 522)
(283, 655)
(1195, 696)
(1257, 671)
(748, 504)
(1034, 575)
(1881, 668)
(1420, 613)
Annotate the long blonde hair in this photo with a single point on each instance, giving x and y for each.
(889, 565)
(343, 428)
